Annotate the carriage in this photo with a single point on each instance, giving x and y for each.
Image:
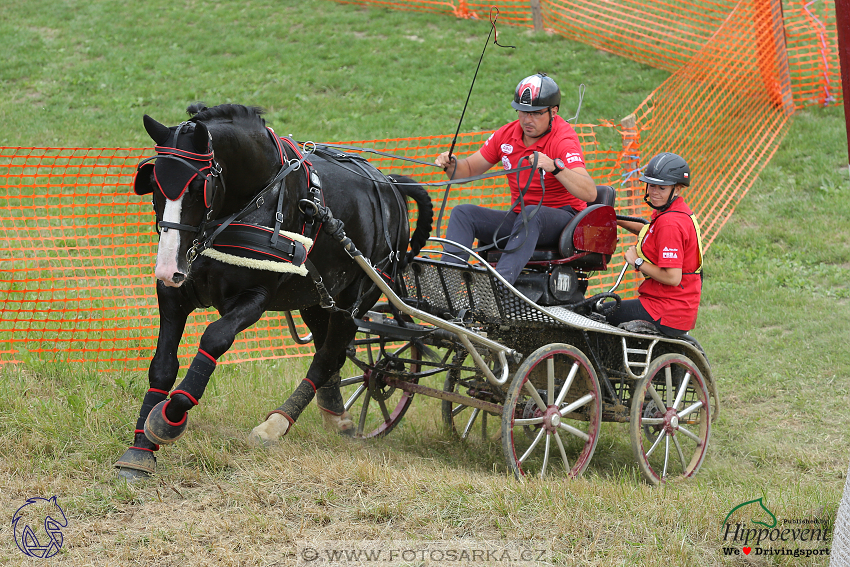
(533, 365)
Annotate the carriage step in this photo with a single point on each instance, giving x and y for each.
(641, 362)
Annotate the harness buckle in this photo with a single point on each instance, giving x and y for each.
(278, 217)
(304, 204)
(260, 202)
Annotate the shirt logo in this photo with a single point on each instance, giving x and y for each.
(506, 162)
(507, 149)
(572, 157)
(669, 255)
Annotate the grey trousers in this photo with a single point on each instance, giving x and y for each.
(468, 222)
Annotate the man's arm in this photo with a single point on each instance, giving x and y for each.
(474, 165)
(578, 182)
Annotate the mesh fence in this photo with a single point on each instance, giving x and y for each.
(77, 247)
(667, 35)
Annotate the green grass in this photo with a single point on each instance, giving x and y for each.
(84, 73)
(774, 320)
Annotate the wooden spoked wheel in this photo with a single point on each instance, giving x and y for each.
(375, 406)
(670, 423)
(466, 422)
(552, 415)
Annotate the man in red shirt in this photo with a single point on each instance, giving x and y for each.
(668, 253)
(568, 185)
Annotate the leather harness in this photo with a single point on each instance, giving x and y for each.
(236, 237)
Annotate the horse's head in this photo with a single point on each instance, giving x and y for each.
(188, 190)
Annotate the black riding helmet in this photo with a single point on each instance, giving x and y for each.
(666, 169)
(536, 92)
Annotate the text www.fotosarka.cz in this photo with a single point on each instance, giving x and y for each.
(375, 553)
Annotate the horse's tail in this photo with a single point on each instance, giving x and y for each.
(424, 221)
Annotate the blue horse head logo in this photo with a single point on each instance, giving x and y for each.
(29, 515)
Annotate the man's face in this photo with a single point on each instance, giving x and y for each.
(534, 124)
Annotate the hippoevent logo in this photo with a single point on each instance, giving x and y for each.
(750, 528)
(27, 522)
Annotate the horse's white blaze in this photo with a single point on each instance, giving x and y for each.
(169, 245)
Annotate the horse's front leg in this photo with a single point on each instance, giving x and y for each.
(327, 362)
(167, 420)
(174, 309)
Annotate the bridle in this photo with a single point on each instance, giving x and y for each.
(207, 162)
(189, 159)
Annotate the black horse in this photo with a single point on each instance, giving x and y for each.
(249, 224)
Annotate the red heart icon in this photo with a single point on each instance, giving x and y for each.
(747, 550)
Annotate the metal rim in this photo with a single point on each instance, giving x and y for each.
(670, 422)
(558, 424)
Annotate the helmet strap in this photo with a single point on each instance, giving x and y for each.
(665, 206)
(551, 119)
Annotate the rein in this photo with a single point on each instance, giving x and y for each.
(460, 181)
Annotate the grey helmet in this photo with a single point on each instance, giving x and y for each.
(666, 169)
(536, 92)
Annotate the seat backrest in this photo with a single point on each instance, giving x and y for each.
(592, 230)
(605, 195)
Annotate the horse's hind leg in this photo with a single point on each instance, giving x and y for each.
(167, 421)
(329, 358)
(174, 308)
(328, 397)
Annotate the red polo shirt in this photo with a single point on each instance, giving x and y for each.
(506, 146)
(671, 242)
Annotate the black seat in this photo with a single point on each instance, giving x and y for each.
(558, 276)
(597, 234)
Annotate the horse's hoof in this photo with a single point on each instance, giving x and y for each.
(270, 431)
(342, 424)
(132, 475)
(159, 430)
(136, 464)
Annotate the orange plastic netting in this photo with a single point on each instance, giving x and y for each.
(667, 35)
(77, 247)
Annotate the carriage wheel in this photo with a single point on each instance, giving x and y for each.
(375, 406)
(552, 415)
(670, 423)
(467, 422)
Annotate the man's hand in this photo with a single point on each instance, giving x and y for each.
(460, 168)
(444, 161)
(544, 162)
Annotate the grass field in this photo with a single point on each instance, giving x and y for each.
(774, 320)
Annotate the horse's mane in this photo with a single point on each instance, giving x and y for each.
(199, 111)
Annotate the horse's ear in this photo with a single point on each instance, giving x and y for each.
(202, 137)
(158, 132)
